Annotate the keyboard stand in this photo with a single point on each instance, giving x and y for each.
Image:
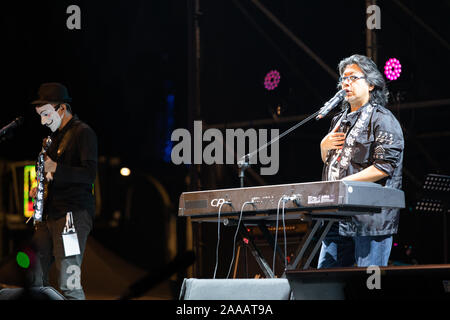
(312, 233)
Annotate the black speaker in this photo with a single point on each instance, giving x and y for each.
(373, 283)
(33, 293)
(235, 289)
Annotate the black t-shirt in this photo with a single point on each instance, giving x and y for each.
(74, 149)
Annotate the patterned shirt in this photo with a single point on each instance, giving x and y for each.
(374, 137)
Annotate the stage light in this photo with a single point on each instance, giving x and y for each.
(29, 182)
(125, 172)
(272, 79)
(23, 260)
(392, 69)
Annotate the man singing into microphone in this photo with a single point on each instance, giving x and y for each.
(365, 143)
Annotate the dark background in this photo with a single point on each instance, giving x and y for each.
(130, 57)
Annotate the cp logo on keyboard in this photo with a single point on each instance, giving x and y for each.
(217, 202)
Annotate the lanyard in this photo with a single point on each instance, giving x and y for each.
(69, 227)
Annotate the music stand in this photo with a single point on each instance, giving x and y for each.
(435, 199)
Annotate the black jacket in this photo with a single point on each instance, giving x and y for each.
(381, 144)
(74, 149)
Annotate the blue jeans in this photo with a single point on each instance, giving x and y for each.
(339, 251)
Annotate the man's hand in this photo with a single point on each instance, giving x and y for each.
(33, 192)
(333, 140)
(49, 165)
(49, 168)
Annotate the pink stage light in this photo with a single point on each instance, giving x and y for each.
(272, 80)
(392, 69)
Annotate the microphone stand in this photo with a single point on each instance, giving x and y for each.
(6, 131)
(244, 162)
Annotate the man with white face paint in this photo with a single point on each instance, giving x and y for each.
(70, 168)
(50, 117)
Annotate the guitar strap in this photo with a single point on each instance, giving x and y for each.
(341, 159)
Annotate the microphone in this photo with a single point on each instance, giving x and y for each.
(331, 104)
(15, 123)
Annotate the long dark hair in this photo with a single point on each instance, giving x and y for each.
(379, 94)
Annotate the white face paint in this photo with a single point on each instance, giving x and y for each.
(49, 117)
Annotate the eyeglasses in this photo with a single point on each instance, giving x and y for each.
(350, 79)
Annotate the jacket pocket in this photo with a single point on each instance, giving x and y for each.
(361, 153)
